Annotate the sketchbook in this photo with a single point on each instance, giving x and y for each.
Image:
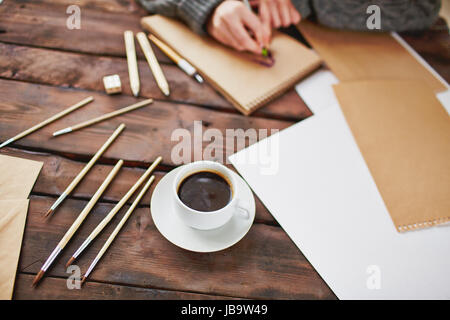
(245, 83)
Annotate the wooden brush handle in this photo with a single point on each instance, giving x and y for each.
(94, 159)
(79, 220)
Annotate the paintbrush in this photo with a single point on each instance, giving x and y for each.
(117, 229)
(85, 170)
(49, 120)
(78, 221)
(113, 212)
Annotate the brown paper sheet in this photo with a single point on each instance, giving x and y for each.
(13, 214)
(246, 84)
(353, 55)
(17, 177)
(403, 133)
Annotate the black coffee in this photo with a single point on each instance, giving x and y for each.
(205, 191)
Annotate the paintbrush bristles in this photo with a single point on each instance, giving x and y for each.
(38, 277)
(49, 212)
(70, 262)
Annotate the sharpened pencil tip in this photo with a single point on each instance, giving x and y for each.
(38, 278)
(83, 280)
(72, 259)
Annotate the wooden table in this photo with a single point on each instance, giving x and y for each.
(45, 67)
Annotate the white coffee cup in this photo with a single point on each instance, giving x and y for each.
(207, 220)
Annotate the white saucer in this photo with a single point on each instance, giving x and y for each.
(173, 229)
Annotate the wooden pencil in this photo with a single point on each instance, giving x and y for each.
(117, 229)
(78, 221)
(85, 170)
(153, 63)
(114, 211)
(49, 120)
(103, 117)
(133, 72)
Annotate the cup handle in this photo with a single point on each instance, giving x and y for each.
(242, 210)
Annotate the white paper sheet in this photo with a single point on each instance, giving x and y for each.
(324, 197)
(317, 91)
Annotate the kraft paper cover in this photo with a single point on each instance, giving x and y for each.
(403, 133)
(13, 214)
(246, 84)
(354, 55)
(17, 177)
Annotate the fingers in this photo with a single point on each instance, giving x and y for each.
(264, 15)
(275, 15)
(283, 12)
(295, 16)
(242, 36)
(256, 28)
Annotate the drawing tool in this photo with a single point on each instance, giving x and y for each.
(175, 57)
(114, 211)
(49, 120)
(265, 51)
(133, 72)
(103, 117)
(85, 170)
(78, 221)
(153, 63)
(117, 229)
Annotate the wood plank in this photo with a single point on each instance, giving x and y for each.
(265, 264)
(58, 172)
(120, 6)
(148, 133)
(434, 46)
(43, 24)
(86, 71)
(56, 289)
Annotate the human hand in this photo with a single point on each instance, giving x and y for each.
(232, 23)
(278, 13)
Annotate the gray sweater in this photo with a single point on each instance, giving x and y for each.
(396, 15)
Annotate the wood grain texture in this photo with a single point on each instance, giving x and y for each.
(44, 67)
(43, 24)
(58, 172)
(265, 264)
(148, 133)
(83, 71)
(56, 289)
